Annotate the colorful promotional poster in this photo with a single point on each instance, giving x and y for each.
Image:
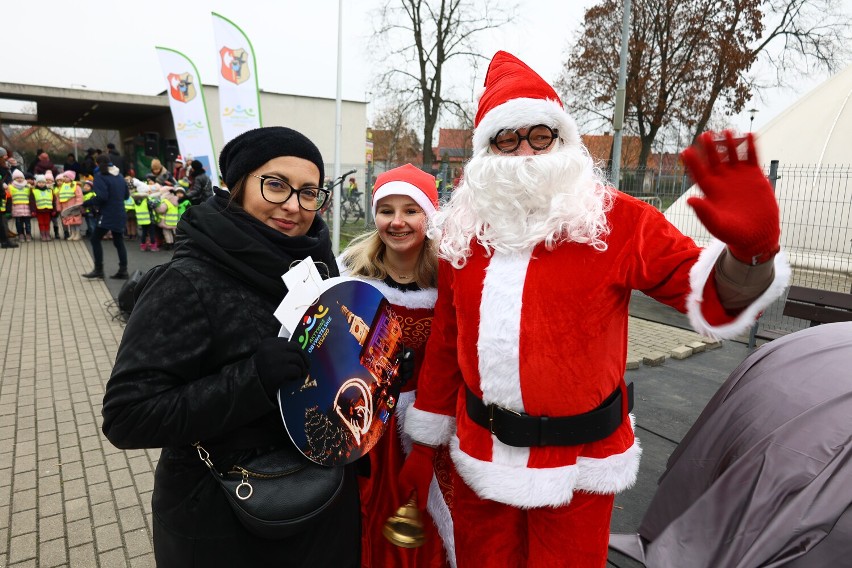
(353, 340)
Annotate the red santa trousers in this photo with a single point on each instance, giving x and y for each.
(488, 533)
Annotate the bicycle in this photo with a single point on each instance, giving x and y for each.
(351, 208)
(328, 209)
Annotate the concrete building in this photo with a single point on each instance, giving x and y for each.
(139, 116)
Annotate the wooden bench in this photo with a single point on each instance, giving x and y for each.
(818, 306)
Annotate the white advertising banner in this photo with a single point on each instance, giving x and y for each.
(239, 102)
(189, 111)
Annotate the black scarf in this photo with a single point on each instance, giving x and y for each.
(249, 249)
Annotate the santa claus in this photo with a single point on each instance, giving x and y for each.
(523, 374)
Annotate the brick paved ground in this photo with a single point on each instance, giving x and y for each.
(67, 497)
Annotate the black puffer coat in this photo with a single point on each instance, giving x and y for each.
(185, 372)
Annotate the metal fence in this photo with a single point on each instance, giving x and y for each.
(816, 218)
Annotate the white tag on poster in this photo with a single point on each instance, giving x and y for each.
(304, 285)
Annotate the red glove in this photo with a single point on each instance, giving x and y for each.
(738, 207)
(416, 474)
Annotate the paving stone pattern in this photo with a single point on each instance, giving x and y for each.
(67, 496)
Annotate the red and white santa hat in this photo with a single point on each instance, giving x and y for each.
(411, 181)
(515, 96)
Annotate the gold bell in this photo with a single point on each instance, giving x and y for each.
(405, 529)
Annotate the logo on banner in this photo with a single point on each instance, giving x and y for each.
(181, 87)
(234, 68)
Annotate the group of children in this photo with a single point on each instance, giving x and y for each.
(60, 201)
(153, 209)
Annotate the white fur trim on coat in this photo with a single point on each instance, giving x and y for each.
(398, 187)
(436, 505)
(528, 487)
(521, 112)
(412, 299)
(619, 470)
(429, 428)
(698, 276)
(499, 328)
(406, 399)
(443, 520)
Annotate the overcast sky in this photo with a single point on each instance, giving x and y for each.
(110, 47)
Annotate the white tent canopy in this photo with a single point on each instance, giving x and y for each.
(812, 141)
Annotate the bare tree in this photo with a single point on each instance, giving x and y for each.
(691, 58)
(394, 138)
(420, 39)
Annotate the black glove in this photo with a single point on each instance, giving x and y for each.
(278, 361)
(406, 365)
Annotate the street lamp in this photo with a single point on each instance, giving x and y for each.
(752, 112)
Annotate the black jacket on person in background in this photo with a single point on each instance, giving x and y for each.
(185, 372)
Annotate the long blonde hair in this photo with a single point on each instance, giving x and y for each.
(365, 257)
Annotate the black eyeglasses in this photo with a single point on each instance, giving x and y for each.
(276, 190)
(539, 137)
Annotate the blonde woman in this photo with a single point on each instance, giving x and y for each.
(400, 261)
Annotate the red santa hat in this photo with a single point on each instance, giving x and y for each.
(515, 96)
(410, 181)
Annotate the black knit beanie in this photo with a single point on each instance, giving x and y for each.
(252, 149)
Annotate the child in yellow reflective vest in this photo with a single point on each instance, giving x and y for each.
(89, 212)
(21, 195)
(4, 236)
(54, 217)
(44, 209)
(130, 210)
(147, 239)
(168, 210)
(69, 198)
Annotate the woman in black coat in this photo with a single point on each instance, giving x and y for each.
(200, 359)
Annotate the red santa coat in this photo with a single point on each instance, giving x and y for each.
(545, 332)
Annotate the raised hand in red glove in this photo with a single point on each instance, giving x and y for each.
(738, 207)
(416, 474)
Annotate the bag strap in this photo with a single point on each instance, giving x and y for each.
(204, 455)
(243, 491)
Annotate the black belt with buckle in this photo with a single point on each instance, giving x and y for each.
(523, 431)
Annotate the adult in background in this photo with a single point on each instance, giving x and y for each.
(71, 164)
(524, 369)
(201, 187)
(43, 165)
(31, 167)
(401, 262)
(116, 159)
(5, 170)
(178, 169)
(5, 182)
(221, 288)
(110, 194)
(87, 166)
(161, 175)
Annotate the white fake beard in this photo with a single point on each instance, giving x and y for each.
(513, 203)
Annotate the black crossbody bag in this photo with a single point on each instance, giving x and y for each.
(277, 493)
